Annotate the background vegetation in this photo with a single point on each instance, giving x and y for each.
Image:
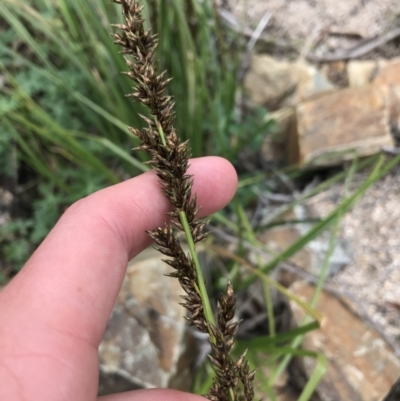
(63, 134)
(63, 114)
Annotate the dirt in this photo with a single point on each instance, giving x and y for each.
(321, 26)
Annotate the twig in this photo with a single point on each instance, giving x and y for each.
(391, 151)
(258, 31)
(250, 45)
(230, 20)
(311, 40)
(359, 50)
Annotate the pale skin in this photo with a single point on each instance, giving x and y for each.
(54, 312)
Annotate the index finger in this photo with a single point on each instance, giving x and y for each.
(72, 280)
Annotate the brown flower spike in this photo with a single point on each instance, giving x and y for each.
(170, 159)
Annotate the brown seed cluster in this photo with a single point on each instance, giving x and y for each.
(170, 159)
(228, 372)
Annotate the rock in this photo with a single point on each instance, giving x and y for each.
(361, 73)
(275, 84)
(388, 73)
(336, 72)
(389, 76)
(378, 72)
(146, 341)
(394, 393)
(268, 81)
(361, 366)
(309, 82)
(382, 73)
(335, 127)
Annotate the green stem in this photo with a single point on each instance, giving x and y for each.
(200, 285)
(200, 280)
(270, 307)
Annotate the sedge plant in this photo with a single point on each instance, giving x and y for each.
(170, 157)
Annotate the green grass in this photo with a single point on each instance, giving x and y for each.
(63, 115)
(67, 49)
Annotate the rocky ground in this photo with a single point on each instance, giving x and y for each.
(309, 42)
(371, 232)
(326, 27)
(325, 24)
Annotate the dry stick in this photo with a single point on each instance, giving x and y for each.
(230, 21)
(245, 65)
(170, 158)
(359, 50)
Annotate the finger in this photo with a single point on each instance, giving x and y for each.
(75, 275)
(152, 395)
(53, 314)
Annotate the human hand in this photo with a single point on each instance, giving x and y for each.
(54, 312)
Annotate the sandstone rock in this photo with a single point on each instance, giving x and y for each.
(388, 73)
(361, 73)
(378, 72)
(394, 393)
(145, 343)
(274, 83)
(382, 73)
(361, 367)
(338, 126)
(389, 76)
